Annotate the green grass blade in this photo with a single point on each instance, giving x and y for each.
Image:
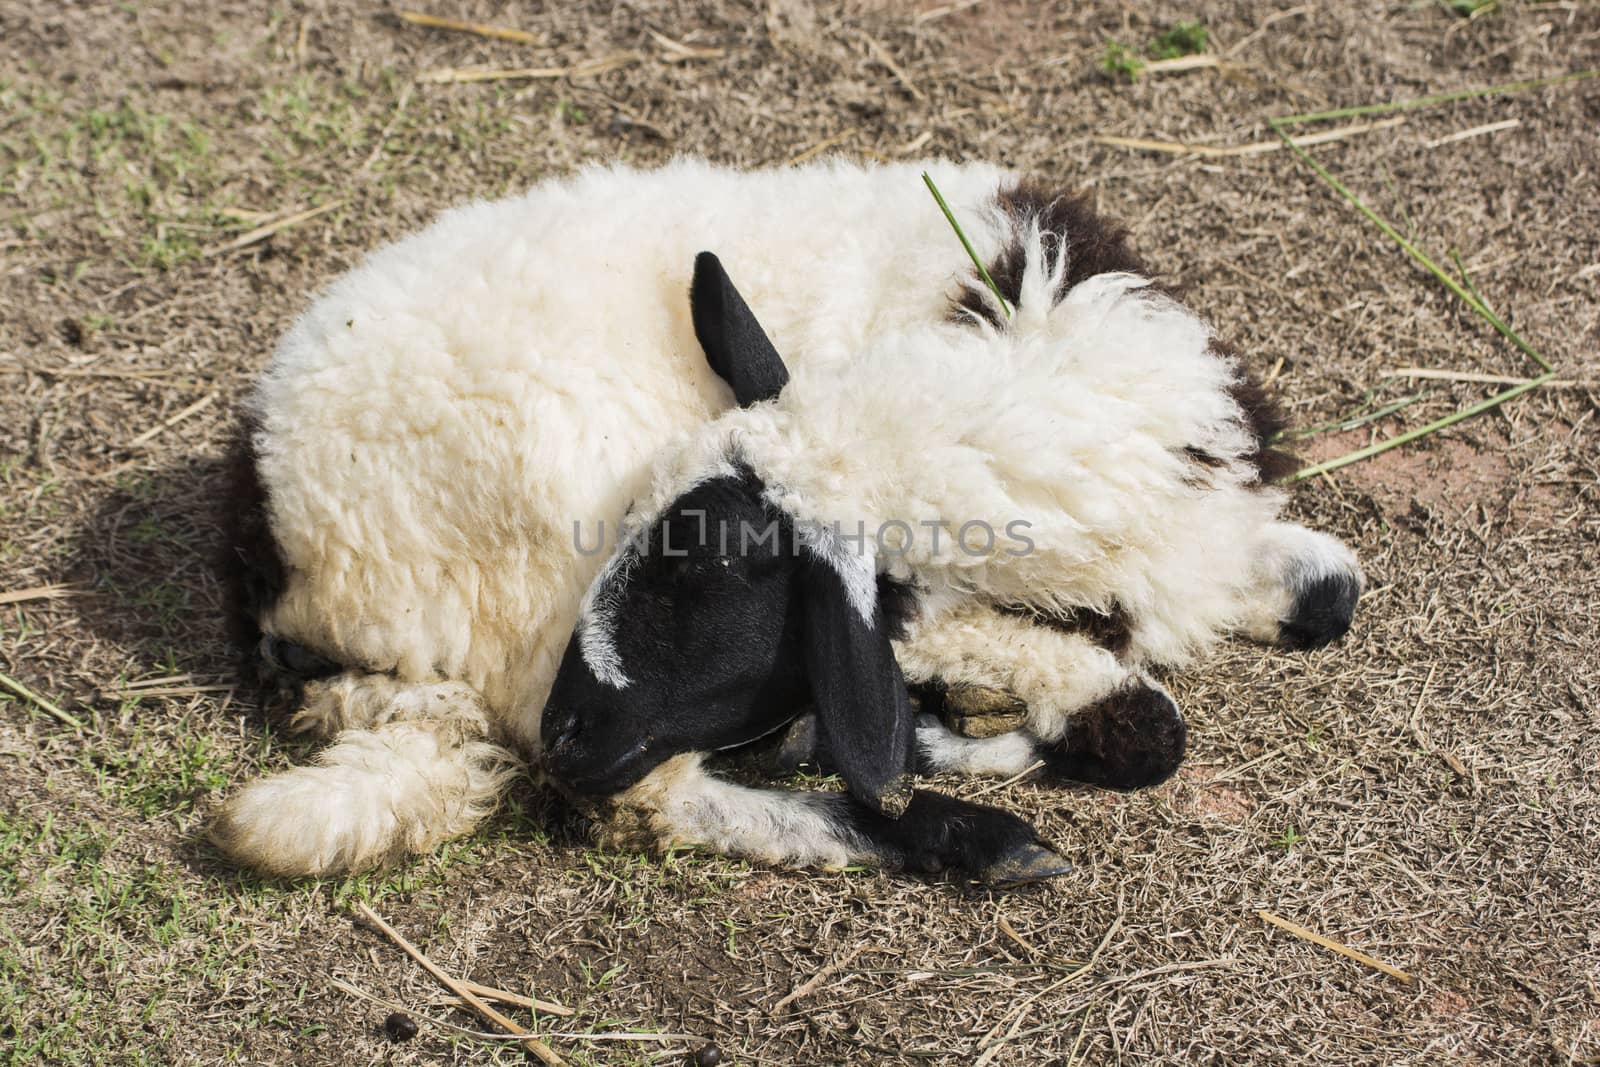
(1437, 98)
(40, 702)
(1466, 279)
(1410, 249)
(950, 217)
(1351, 422)
(1420, 431)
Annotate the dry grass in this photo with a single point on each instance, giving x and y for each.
(1424, 792)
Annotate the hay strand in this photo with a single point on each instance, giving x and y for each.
(261, 233)
(489, 992)
(1454, 376)
(46, 706)
(586, 69)
(812, 984)
(1473, 131)
(39, 592)
(887, 61)
(503, 33)
(1254, 148)
(1179, 64)
(1329, 943)
(167, 424)
(822, 146)
(678, 52)
(544, 1052)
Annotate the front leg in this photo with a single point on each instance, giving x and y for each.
(681, 804)
(1090, 716)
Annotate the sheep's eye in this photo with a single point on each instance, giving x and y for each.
(695, 570)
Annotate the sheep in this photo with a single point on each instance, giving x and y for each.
(431, 437)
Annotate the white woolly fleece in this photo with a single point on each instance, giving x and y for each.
(436, 423)
(433, 428)
(1074, 419)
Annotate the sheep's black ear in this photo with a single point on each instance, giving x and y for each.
(735, 344)
(864, 714)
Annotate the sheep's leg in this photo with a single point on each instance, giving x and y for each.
(410, 767)
(1304, 590)
(357, 701)
(1133, 737)
(680, 804)
(1089, 716)
(971, 651)
(940, 750)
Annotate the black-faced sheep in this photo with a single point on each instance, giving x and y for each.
(1044, 498)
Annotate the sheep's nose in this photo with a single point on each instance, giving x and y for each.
(560, 729)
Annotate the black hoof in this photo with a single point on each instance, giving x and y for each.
(1030, 863)
(938, 834)
(1322, 612)
(1133, 738)
(795, 749)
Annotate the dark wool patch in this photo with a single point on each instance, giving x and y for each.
(899, 605)
(1092, 243)
(1323, 608)
(1200, 457)
(1111, 630)
(253, 574)
(248, 562)
(1131, 739)
(1262, 416)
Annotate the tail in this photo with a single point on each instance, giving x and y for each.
(374, 796)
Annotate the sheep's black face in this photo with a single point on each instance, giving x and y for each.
(717, 629)
(690, 641)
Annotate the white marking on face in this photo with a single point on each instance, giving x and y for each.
(597, 619)
(856, 569)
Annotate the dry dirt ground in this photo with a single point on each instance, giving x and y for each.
(1423, 792)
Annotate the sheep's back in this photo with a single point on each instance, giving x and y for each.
(432, 429)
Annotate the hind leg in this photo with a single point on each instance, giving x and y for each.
(357, 701)
(1087, 714)
(1304, 590)
(999, 671)
(410, 768)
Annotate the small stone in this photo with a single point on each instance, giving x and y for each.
(400, 1027)
(707, 1055)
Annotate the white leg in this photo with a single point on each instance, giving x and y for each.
(679, 804)
(408, 769)
(944, 751)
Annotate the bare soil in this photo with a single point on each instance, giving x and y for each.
(1424, 792)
